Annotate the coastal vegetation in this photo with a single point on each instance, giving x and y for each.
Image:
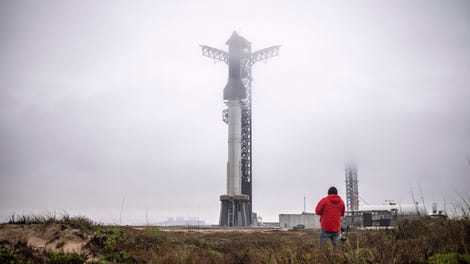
(42, 239)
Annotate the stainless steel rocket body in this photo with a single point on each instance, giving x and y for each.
(234, 93)
(234, 179)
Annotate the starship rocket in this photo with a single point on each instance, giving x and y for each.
(235, 207)
(234, 93)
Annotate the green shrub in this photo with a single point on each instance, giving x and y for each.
(7, 256)
(120, 257)
(79, 222)
(66, 258)
(449, 258)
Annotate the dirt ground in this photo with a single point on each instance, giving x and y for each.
(57, 237)
(54, 237)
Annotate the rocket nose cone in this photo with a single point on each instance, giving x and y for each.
(232, 38)
(234, 90)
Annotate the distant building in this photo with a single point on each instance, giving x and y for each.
(270, 224)
(180, 221)
(309, 220)
(438, 213)
(386, 214)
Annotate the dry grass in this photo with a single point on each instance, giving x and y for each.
(421, 241)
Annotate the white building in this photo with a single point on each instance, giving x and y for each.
(309, 220)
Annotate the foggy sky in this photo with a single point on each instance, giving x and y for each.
(105, 100)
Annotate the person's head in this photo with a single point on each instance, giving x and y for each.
(332, 190)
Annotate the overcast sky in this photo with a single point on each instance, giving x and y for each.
(105, 100)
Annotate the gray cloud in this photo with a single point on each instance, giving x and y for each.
(101, 100)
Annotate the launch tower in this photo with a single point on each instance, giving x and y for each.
(352, 189)
(236, 204)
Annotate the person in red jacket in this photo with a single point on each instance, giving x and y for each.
(331, 209)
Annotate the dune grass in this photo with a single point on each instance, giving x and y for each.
(421, 241)
(80, 222)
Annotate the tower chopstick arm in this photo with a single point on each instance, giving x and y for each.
(216, 54)
(265, 54)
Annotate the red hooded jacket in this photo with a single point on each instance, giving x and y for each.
(331, 209)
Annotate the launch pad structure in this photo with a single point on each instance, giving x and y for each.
(236, 204)
(352, 188)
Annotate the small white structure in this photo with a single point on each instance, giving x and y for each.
(309, 220)
(417, 209)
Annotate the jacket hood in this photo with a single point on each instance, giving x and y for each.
(334, 198)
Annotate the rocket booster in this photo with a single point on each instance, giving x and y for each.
(234, 92)
(234, 179)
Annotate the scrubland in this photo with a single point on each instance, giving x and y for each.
(39, 239)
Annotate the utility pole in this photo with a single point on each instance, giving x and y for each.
(304, 206)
